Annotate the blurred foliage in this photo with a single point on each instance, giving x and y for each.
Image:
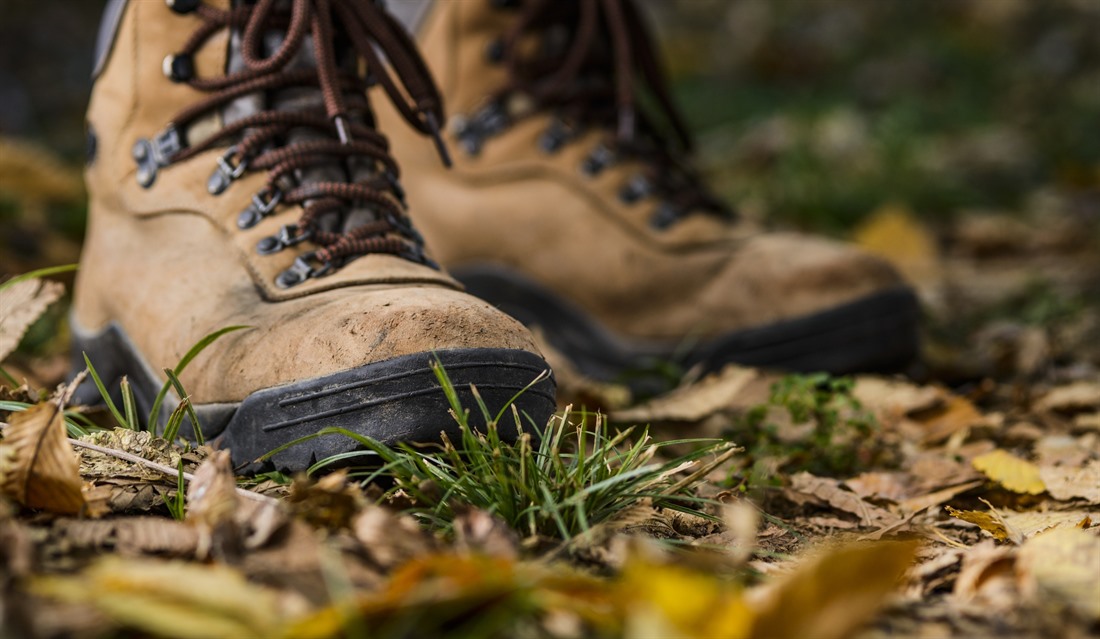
(819, 111)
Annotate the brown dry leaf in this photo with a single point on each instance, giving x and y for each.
(21, 304)
(1064, 565)
(692, 403)
(330, 502)
(880, 485)
(1072, 398)
(956, 415)
(1063, 482)
(895, 233)
(833, 595)
(891, 398)
(155, 535)
(916, 504)
(212, 502)
(478, 531)
(170, 598)
(391, 539)
(833, 493)
(1031, 523)
(988, 576)
(38, 467)
(1008, 470)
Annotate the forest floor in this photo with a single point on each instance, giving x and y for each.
(961, 499)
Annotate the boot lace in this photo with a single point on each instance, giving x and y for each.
(363, 32)
(593, 62)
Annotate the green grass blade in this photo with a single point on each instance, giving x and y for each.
(172, 428)
(42, 272)
(103, 392)
(129, 404)
(14, 383)
(196, 428)
(199, 347)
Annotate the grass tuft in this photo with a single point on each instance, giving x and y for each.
(557, 481)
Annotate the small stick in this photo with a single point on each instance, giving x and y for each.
(167, 470)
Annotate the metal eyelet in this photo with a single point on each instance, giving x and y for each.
(183, 7)
(600, 158)
(178, 67)
(226, 172)
(555, 136)
(301, 271)
(665, 216)
(153, 155)
(494, 51)
(635, 189)
(289, 235)
(473, 131)
(259, 208)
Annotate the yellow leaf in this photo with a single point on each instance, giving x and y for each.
(1008, 470)
(21, 304)
(1065, 566)
(834, 595)
(170, 599)
(667, 600)
(988, 522)
(38, 467)
(894, 233)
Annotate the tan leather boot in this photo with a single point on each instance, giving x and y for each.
(236, 178)
(571, 206)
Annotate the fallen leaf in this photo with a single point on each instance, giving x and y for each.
(21, 304)
(1072, 398)
(212, 503)
(895, 233)
(390, 539)
(988, 576)
(478, 531)
(915, 504)
(1008, 470)
(879, 485)
(896, 398)
(833, 493)
(990, 521)
(38, 467)
(330, 502)
(674, 601)
(1064, 482)
(711, 395)
(834, 594)
(957, 414)
(1064, 565)
(170, 598)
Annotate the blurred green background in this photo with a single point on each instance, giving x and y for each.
(812, 112)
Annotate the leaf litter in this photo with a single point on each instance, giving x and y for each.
(961, 501)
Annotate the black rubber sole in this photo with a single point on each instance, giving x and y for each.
(878, 333)
(392, 401)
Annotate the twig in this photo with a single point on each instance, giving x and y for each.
(167, 470)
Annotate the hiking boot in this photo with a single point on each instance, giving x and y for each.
(236, 178)
(572, 207)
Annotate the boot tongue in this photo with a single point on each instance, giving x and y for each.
(307, 98)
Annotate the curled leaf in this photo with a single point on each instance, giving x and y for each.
(831, 597)
(38, 467)
(212, 502)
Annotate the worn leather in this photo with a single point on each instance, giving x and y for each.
(516, 206)
(169, 265)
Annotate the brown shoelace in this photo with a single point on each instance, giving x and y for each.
(261, 144)
(597, 75)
